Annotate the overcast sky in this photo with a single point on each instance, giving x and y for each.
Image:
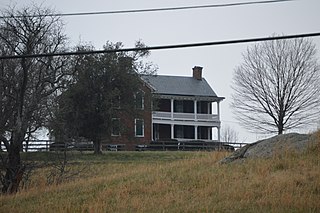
(188, 26)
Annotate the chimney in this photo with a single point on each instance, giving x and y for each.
(197, 72)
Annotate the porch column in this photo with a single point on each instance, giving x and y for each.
(218, 110)
(209, 133)
(152, 131)
(172, 108)
(196, 132)
(195, 109)
(172, 131)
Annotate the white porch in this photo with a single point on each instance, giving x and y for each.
(186, 118)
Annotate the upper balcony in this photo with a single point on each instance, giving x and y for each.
(177, 116)
(185, 110)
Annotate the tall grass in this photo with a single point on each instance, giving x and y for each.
(196, 183)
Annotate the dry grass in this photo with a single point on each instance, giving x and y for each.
(195, 184)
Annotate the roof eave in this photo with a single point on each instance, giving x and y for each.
(190, 97)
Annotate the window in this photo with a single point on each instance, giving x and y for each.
(183, 106)
(139, 127)
(115, 127)
(116, 102)
(203, 107)
(178, 106)
(139, 100)
(164, 105)
(178, 131)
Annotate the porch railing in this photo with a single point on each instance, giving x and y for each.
(184, 116)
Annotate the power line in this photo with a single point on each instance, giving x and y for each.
(155, 9)
(176, 46)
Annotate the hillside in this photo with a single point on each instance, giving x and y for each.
(177, 182)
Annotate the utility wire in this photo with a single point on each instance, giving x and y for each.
(154, 9)
(176, 46)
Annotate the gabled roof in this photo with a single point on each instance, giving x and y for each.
(179, 85)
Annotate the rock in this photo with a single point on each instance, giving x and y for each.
(277, 145)
(238, 154)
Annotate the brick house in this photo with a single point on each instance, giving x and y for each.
(171, 107)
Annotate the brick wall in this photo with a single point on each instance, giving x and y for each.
(127, 135)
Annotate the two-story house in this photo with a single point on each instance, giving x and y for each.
(183, 108)
(186, 107)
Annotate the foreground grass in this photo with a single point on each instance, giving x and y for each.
(109, 157)
(178, 182)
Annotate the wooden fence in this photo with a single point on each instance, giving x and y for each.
(189, 146)
(49, 145)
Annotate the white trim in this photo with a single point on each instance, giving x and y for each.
(195, 109)
(135, 128)
(196, 132)
(187, 123)
(218, 110)
(178, 116)
(172, 107)
(172, 131)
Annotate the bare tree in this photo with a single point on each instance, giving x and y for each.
(276, 88)
(27, 85)
(229, 135)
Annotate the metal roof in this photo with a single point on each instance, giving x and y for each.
(179, 85)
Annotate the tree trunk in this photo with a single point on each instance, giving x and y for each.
(97, 147)
(280, 129)
(14, 170)
(280, 123)
(13, 165)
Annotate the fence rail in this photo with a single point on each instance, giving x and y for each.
(50, 145)
(190, 145)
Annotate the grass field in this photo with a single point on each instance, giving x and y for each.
(174, 182)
